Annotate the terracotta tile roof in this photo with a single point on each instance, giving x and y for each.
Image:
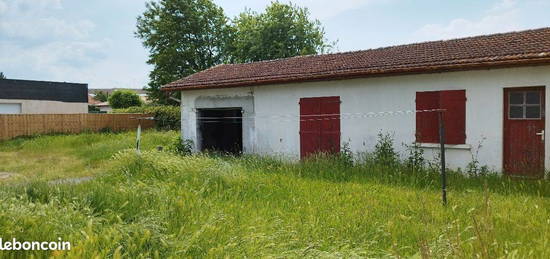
(530, 47)
(92, 100)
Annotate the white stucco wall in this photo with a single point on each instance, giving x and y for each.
(48, 107)
(221, 98)
(277, 110)
(105, 108)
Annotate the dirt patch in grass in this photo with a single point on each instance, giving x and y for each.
(7, 175)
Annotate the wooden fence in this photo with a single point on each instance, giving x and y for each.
(14, 125)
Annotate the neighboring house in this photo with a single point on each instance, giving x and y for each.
(92, 101)
(493, 90)
(104, 107)
(42, 97)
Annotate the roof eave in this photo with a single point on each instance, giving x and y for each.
(343, 75)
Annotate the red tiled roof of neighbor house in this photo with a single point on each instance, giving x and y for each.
(531, 47)
(92, 100)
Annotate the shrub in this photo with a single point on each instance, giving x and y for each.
(167, 117)
(415, 160)
(474, 168)
(384, 152)
(346, 155)
(182, 147)
(124, 99)
(93, 109)
(102, 96)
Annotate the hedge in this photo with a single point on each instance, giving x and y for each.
(167, 117)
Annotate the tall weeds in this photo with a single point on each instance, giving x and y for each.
(163, 205)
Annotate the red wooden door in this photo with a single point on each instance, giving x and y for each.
(524, 131)
(319, 125)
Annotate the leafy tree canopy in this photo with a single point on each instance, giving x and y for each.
(124, 99)
(283, 30)
(183, 37)
(187, 36)
(2, 76)
(101, 96)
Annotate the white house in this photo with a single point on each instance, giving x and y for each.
(490, 89)
(42, 97)
(104, 107)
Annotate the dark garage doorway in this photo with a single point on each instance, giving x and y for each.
(221, 130)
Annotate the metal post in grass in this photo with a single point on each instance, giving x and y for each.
(442, 157)
(138, 137)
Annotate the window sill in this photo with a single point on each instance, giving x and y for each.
(447, 146)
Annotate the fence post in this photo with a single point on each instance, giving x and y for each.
(138, 138)
(3, 128)
(442, 157)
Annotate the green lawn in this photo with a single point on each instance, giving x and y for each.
(68, 156)
(161, 205)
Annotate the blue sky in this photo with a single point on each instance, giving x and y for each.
(92, 41)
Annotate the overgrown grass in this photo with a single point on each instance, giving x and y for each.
(162, 205)
(62, 156)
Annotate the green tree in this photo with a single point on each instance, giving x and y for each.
(183, 37)
(124, 99)
(93, 109)
(2, 76)
(283, 30)
(101, 96)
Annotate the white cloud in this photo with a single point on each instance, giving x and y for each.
(33, 19)
(502, 17)
(38, 41)
(32, 5)
(45, 27)
(503, 6)
(74, 61)
(3, 7)
(320, 9)
(49, 57)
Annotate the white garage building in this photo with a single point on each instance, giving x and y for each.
(492, 90)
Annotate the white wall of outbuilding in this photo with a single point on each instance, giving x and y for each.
(272, 122)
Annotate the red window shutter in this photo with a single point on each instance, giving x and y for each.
(454, 102)
(330, 124)
(310, 129)
(427, 129)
